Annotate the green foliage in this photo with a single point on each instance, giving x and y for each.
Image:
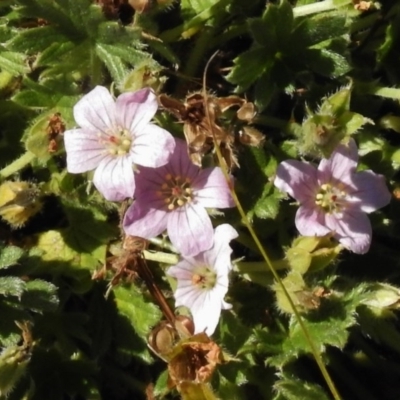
(284, 46)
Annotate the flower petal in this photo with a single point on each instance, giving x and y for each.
(152, 146)
(219, 255)
(144, 222)
(310, 221)
(183, 270)
(340, 166)
(211, 189)
(180, 163)
(370, 192)
(206, 311)
(352, 229)
(190, 229)
(135, 110)
(114, 178)
(96, 110)
(84, 151)
(297, 178)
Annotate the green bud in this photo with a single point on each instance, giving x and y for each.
(333, 122)
(312, 253)
(13, 363)
(390, 122)
(143, 75)
(383, 296)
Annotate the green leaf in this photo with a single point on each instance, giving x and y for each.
(248, 67)
(115, 65)
(320, 27)
(9, 255)
(141, 314)
(34, 40)
(14, 63)
(268, 205)
(40, 296)
(11, 286)
(293, 388)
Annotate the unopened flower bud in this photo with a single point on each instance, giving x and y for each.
(13, 363)
(390, 122)
(383, 295)
(19, 201)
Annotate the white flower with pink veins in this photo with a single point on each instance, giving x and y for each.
(114, 137)
(203, 281)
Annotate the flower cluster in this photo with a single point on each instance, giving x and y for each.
(133, 157)
(334, 197)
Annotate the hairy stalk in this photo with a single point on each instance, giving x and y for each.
(314, 350)
(164, 258)
(326, 5)
(17, 165)
(146, 274)
(164, 244)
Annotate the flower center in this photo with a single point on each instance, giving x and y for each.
(204, 278)
(117, 142)
(176, 191)
(330, 198)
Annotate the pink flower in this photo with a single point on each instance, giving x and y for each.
(114, 137)
(334, 197)
(203, 281)
(174, 198)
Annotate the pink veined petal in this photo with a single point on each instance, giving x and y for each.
(190, 229)
(84, 151)
(352, 229)
(310, 221)
(371, 192)
(220, 254)
(211, 189)
(148, 184)
(182, 270)
(340, 166)
(114, 178)
(298, 179)
(180, 163)
(135, 110)
(144, 222)
(206, 312)
(96, 110)
(187, 294)
(152, 146)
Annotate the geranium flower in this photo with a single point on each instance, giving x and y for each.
(334, 197)
(203, 281)
(114, 137)
(174, 198)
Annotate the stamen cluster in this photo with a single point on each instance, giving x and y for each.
(330, 198)
(117, 142)
(176, 191)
